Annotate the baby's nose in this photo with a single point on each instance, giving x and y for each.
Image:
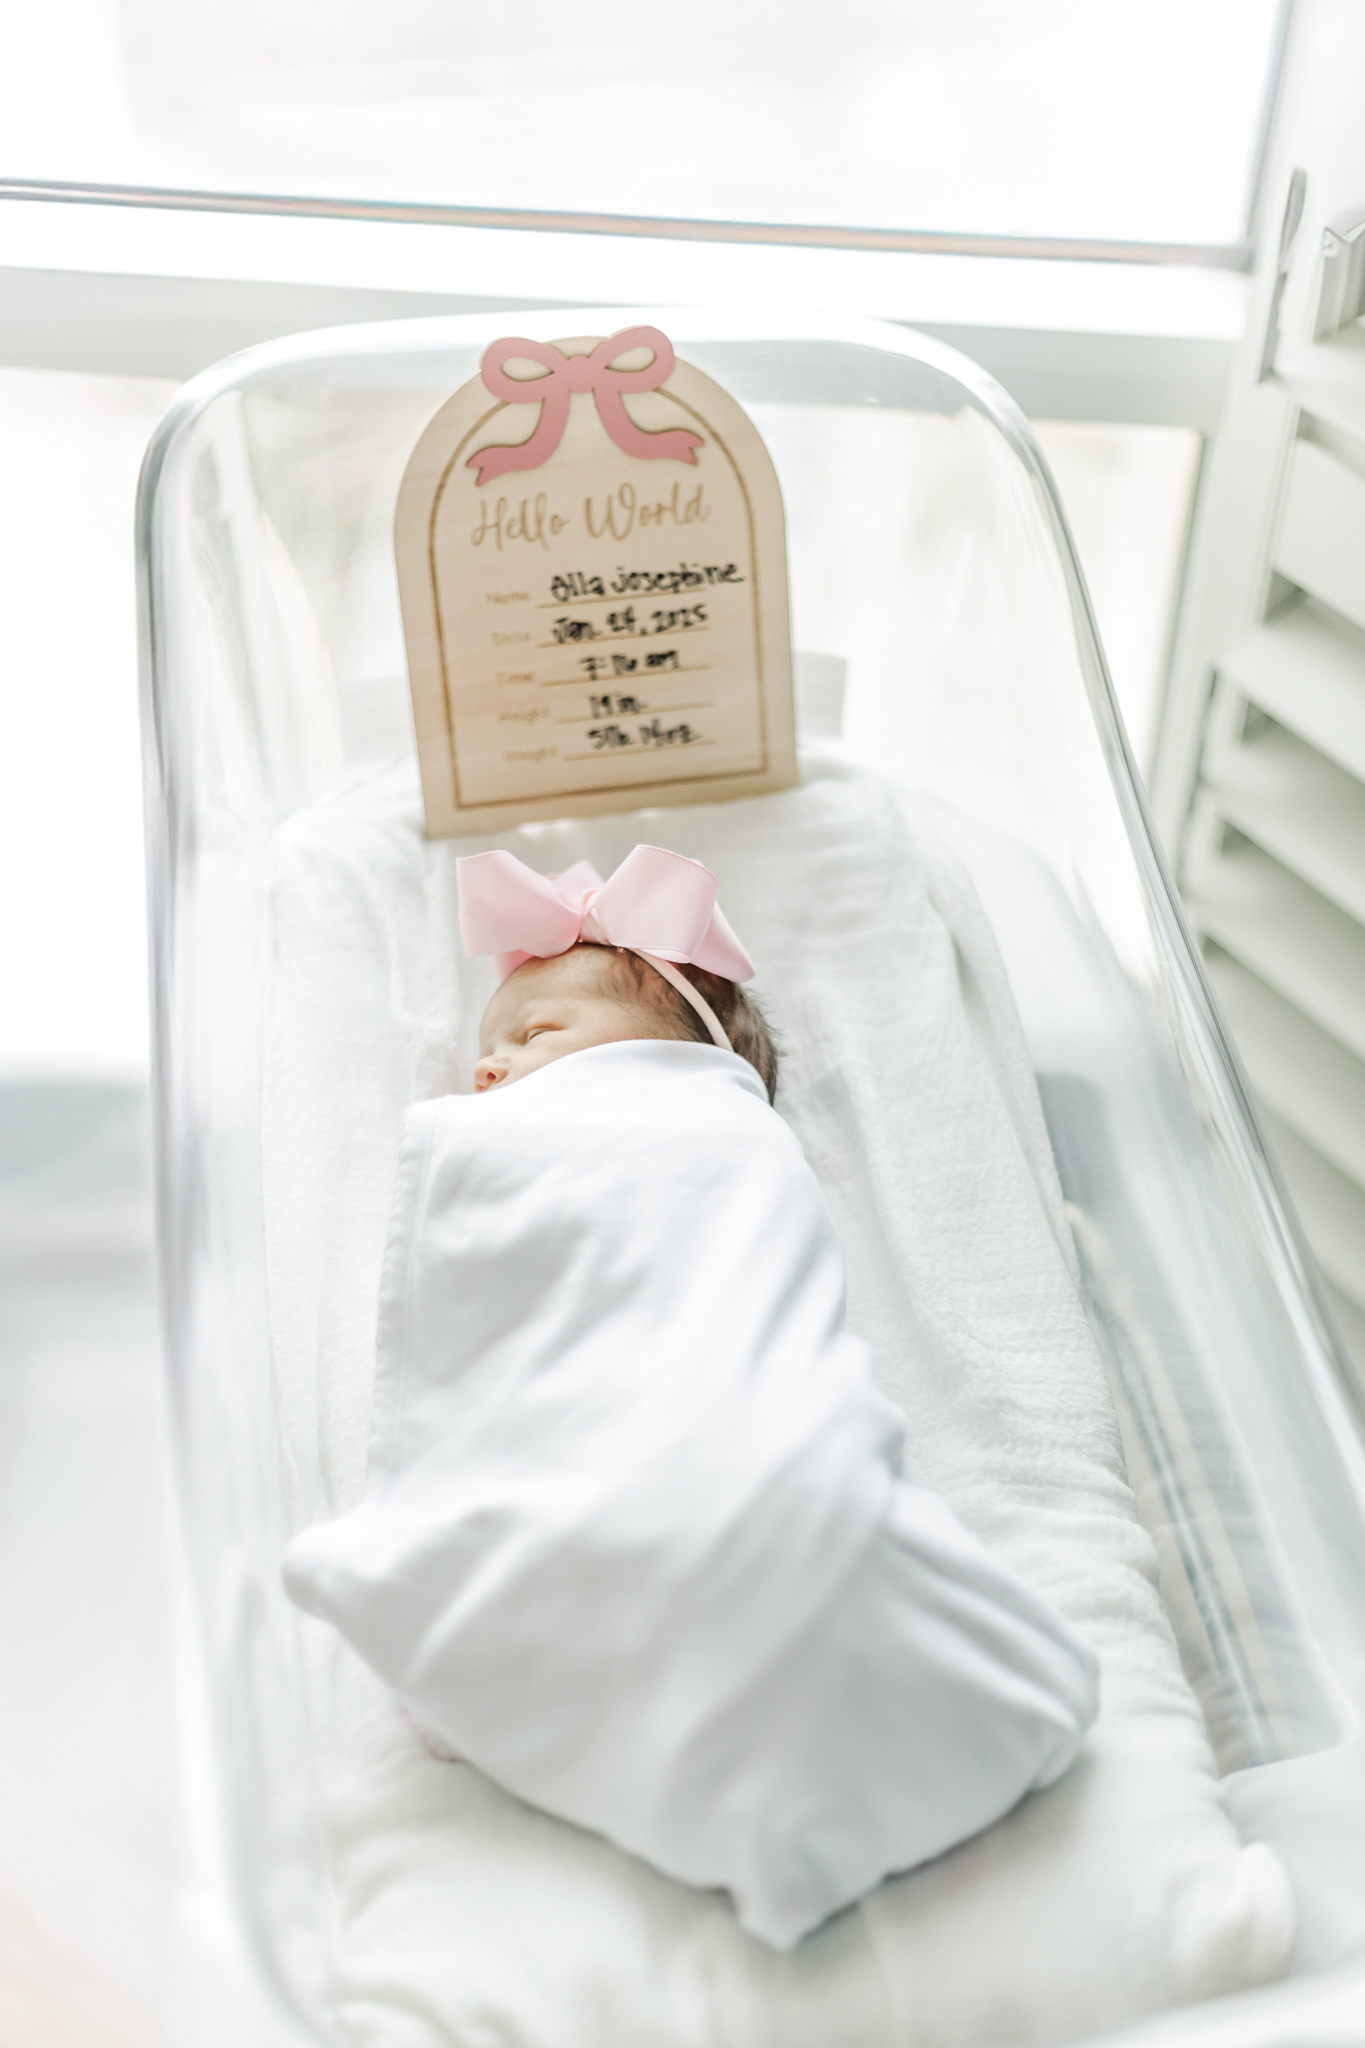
(488, 1073)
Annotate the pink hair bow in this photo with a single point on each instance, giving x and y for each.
(567, 374)
(656, 902)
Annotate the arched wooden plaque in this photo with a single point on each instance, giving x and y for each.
(594, 590)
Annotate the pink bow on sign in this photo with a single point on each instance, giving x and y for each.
(656, 902)
(568, 374)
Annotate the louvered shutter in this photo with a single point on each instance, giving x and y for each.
(1271, 847)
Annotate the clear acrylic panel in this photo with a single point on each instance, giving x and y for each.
(933, 577)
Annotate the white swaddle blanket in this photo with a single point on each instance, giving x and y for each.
(634, 1538)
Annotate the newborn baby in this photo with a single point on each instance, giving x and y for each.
(595, 996)
(637, 1539)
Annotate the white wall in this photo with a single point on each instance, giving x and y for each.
(71, 869)
(1126, 492)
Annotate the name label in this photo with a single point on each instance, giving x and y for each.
(594, 590)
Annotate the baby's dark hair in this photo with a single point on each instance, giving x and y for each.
(745, 1025)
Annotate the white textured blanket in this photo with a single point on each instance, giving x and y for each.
(634, 1537)
(414, 1904)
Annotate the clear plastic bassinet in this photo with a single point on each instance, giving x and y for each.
(929, 552)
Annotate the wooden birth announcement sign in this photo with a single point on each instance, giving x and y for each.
(593, 568)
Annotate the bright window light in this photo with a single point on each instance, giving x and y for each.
(1055, 118)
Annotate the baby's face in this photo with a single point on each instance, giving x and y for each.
(548, 1009)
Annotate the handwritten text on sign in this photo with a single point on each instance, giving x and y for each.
(594, 597)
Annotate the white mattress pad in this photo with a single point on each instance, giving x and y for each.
(411, 1903)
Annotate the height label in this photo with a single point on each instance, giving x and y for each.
(591, 557)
